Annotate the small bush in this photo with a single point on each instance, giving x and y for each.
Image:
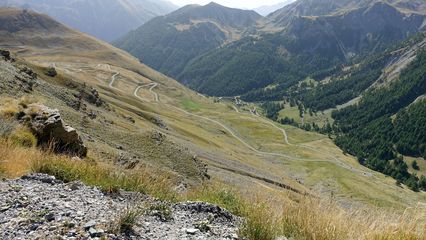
(162, 211)
(23, 137)
(51, 72)
(126, 221)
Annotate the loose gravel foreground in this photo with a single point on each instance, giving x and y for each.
(38, 206)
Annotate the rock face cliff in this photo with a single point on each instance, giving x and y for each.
(368, 29)
(39, 206)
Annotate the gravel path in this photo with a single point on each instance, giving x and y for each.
(38, 206)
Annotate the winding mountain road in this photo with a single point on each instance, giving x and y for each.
(113, 80)
(153, 85)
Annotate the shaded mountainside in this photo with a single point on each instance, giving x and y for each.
(308, 47)
(104, 19)
(284, 16)
(168, 43)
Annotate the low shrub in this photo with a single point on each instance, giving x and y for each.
(126, 221)
(51, 72)
(23, 137)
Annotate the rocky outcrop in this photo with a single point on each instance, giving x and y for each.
(48, 127)
(39, 206)
(15, 79)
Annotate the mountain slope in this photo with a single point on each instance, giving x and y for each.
(149, 119)
(306, 47)
(287, 14)
(168, 43)
(387, 122)
(104, 19)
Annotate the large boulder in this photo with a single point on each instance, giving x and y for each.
(48, 127)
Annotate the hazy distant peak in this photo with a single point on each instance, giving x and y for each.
(104, 19)
(216, 12)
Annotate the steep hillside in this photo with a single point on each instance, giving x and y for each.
(104, 19)
(309, 46)
(148, 119)
(388, 122)
(285, 15)
(169, 43)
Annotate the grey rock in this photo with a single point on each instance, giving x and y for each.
(89, 225)
(192, 231)
(50, 217)
(47, 125)
(96, 232)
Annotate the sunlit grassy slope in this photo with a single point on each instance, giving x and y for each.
(251, 154)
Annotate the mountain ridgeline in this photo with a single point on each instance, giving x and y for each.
(219, 58)
(105, 19)
(169, 43)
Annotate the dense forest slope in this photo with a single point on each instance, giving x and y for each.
(168, 43)
(307, 47)
(104, 19)
(388, 122)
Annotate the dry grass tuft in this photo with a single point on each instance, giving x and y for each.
(325, 220)
(9, 108)
(22, 137)
(125, 221)
(220, 195)
(15, 160)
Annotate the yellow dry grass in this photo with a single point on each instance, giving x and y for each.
(15, 161)
(264, 219)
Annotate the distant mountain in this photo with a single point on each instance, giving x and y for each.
(170, 42)
(267, 9)
(105, 19)
(285, 15)
(308, 46)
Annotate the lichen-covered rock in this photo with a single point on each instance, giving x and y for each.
(48, 127)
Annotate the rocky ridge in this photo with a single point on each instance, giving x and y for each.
(38, 206)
